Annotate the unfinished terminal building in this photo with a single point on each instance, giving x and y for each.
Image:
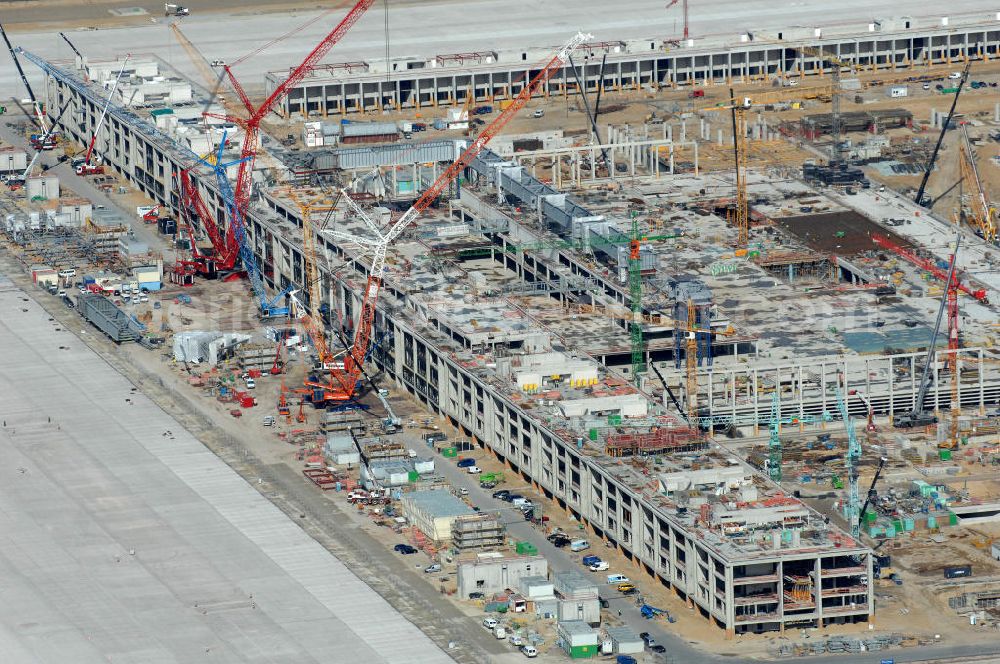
(501, 310)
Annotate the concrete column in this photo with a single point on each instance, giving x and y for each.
(668, 132)
(721, 140)
(683, 130)
(996, 112)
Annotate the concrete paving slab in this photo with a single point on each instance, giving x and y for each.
(124, 543)
(427, 29)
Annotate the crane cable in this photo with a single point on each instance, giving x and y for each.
(283, 37)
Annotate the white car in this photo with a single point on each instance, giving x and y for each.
(490, 623)
(251, 384)
(529, 651)
(955, 75)
(475, 470)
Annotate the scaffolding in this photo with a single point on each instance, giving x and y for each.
(477, 531)
(657, 441)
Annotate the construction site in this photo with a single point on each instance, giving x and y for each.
(682, 349)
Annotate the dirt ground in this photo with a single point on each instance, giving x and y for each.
(819, 232)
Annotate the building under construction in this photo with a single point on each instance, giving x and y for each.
(518, 337)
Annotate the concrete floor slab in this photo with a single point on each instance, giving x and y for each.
(125, 540)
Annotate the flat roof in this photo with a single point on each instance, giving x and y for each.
(95, 470)
(438, 503)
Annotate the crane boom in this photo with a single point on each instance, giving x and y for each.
(104, 111)
(66, 39)
(362, 338)
(937, 146)
(923, 263)
(982, 211)
(872, 494)
(39, 115)
(316, 55)
(251, 124)
(212, 80)
(917, 416)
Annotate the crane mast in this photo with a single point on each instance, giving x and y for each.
(852, 507)
(740, 157)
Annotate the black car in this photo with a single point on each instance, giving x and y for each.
(560, 543)
(644, 636)
(554, 536)
(605, 603)
(476, 595)
(404, 549)
(511, 497)
(502, 494)
(657, 648)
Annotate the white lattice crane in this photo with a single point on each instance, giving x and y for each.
(344, 381)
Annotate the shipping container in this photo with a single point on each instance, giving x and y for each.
(957, 571)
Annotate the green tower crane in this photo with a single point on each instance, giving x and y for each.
(774, 446)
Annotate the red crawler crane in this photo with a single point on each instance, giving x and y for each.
(251, 124)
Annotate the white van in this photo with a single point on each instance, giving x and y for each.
(600, 566)
(617, 578)
(529, 651)
(579, 545)
(490, 623)
(500, 632)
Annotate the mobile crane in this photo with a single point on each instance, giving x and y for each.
(918, 416)
(85, 167)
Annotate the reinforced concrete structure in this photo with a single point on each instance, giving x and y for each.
(747, 556)
(743, 56)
